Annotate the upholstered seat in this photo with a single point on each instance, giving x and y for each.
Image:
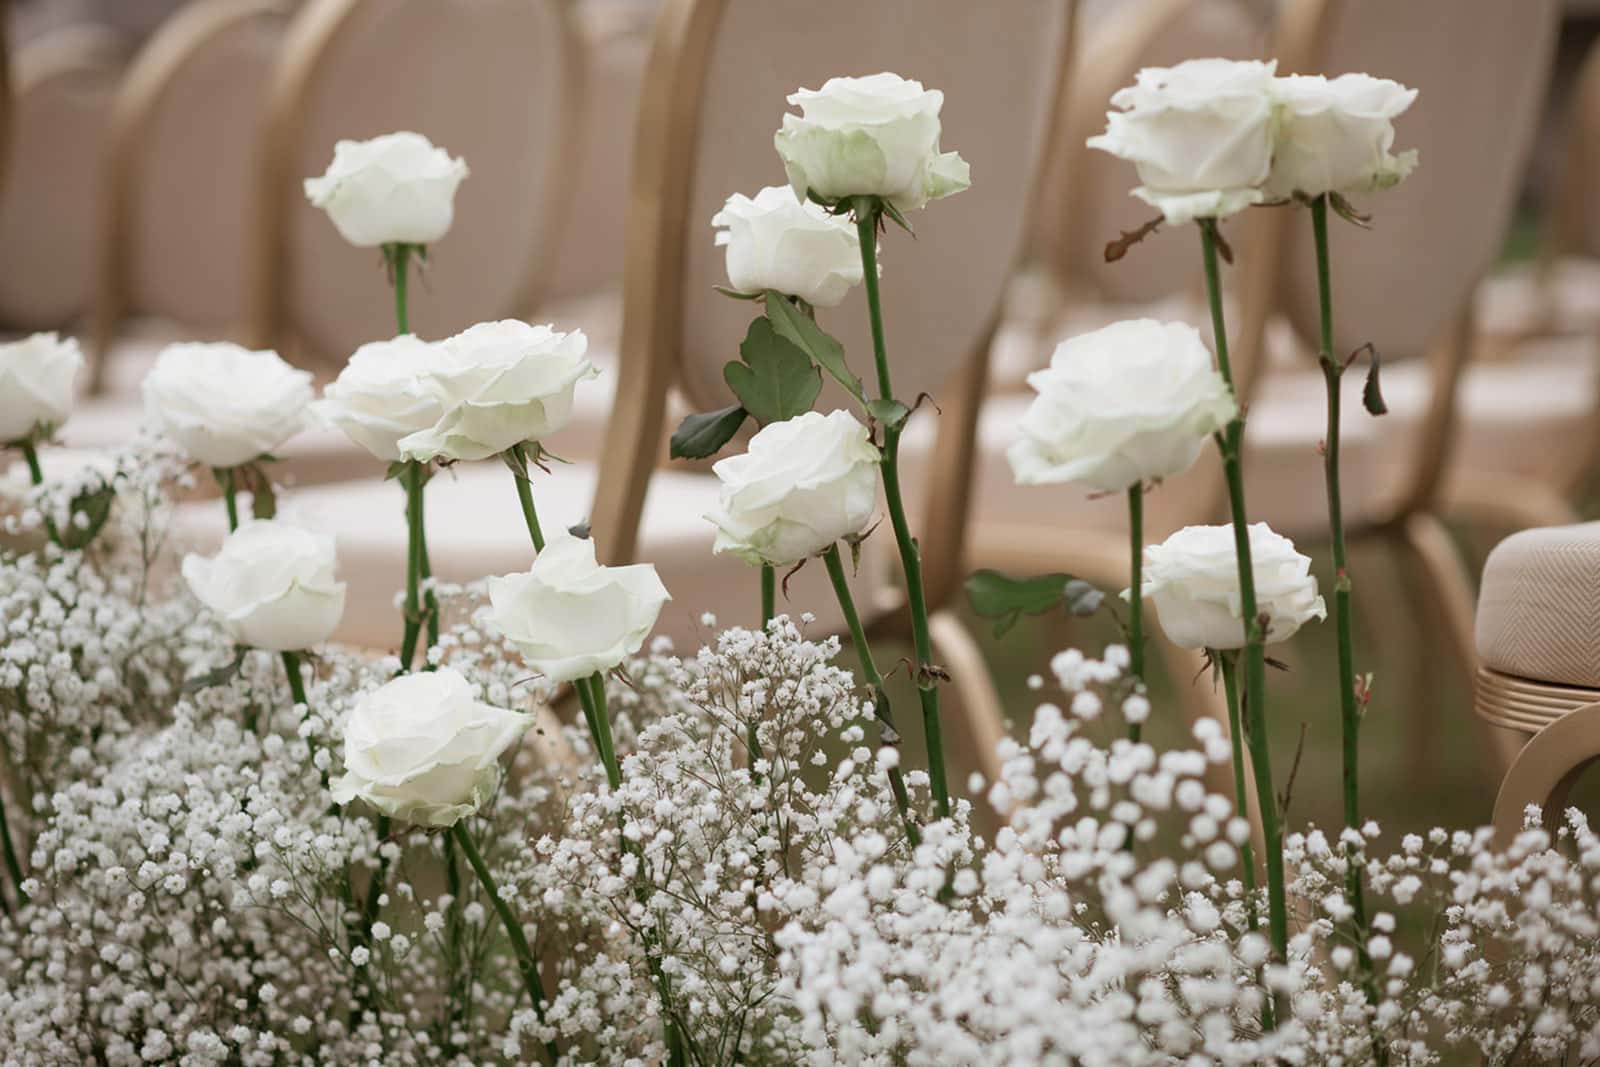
(476, 529)
(1539, 606)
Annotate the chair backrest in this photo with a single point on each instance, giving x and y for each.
(715, 93)
(181, 171)
(1481, 68)
(495, 82)
(62, 84)
(1085, 201)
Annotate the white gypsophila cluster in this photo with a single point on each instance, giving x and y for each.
(197, 898)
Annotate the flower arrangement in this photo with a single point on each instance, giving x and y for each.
(228, 841)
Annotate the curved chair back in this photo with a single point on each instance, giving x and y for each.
(1482, 68)
(1085, 201)
(62, 84)
(181, 171)
(494, 82)
(715, 93)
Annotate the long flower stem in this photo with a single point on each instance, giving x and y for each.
(1228, 663)
(229, 496)
(1255, 680)
(888, 736)
(868, 211)
(13, 866)
(519, 941)
(30, 455)
(399, 257)
(1136, 596)
(1349, 709)
(769, 593)
(411, 478)
(519, 473)
(592, 695)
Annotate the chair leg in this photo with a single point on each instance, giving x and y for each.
(1445, 588)
(1545, 770)
(979, 712)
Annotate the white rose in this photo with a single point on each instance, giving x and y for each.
(1130, 403)
(803, 484)
(500, 384)
(37, 375)
(569, 616)
(1200, 134)
(382, 395)
(873, 136)
(1193, 577)
(273, 585)
(225, 405)
(789, 246)
(424, 749)
(394, 189)
(1335, 136)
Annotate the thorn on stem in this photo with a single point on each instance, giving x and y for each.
(1118, 248)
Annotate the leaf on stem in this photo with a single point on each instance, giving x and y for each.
(1005, 599)
(899, 219)
(95, 507)
(735, 293)
(703, 434)
(1347, 211)
(1372, 391)
(802, 330)
(1120, 247)
(776, 379)
(888, 411)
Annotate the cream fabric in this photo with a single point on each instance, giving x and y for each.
(1563, 297)
(1539, 606)
(476, 529)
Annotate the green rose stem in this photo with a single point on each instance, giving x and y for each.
(592, 695)
(887, 734)
(1231, 441)
(519, 941)
(769, 593)
(1349, 710)
(229, 495)
(517, 457)
(297, 690)
(1135, 597)
(868, 210)
(1228, 662)
(30, 455)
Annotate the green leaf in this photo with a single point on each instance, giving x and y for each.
(795, 325)
(889, 411)
(263, 501)
(704, 434)
(735, 293)
(95, 506)
(777, 380)
(900, 220)
(1372, 391)
(1005, 599)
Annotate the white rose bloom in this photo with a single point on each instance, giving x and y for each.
(1200, 134)
(394, 189)
(382, 395)
(1193, 578)
(500, 384)
(1335, 136)
(872, 136)
(424, 749)
(37, 375)
(571, 617)
(225, 405)
(803, 484)
(1130, 403)
(273, 585)
(789, 246)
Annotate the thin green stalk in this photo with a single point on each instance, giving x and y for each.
(36, 473)
(868, 212)
(592, 695)
(430, 602)
(13, 866)
(519, 473)
(411, 478)
(769, 593)
(1255, 681)
(452, 886)
(1228, 662)
(1349, 709)
(399, 256)
(519, 941)
(1136, 597)
(888, 736)
(229, 496)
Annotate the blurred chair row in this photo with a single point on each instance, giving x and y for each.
(502, 84)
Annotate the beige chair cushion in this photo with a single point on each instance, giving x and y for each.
(476, 529)
(1539, 606)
